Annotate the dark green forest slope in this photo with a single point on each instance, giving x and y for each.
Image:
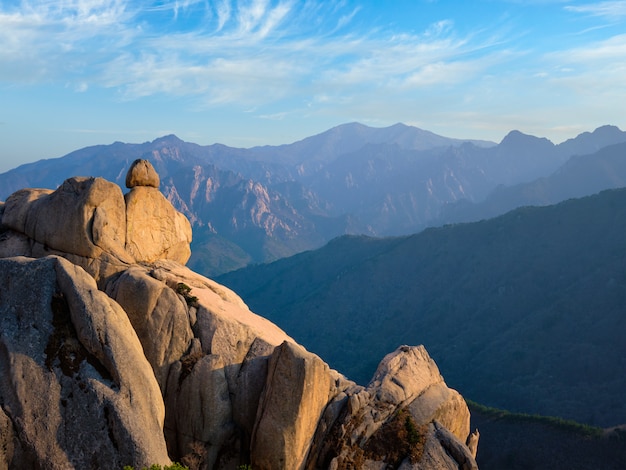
(525, 312)
(522, 442)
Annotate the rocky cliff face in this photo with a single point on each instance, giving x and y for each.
(113, 353)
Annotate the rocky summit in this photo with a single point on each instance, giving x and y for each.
(113, 353)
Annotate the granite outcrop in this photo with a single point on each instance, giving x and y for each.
(113, 353)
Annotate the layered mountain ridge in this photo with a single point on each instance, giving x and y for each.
(263, 203)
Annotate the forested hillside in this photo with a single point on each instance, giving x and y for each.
(524, 312)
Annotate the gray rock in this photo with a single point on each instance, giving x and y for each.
(6, 441)
(249, 386)
(154, 229)
(455, 448)
(201, 411)
(472, 442)
(435, 455)
(74, 383)
(407, 385)
(90, 222)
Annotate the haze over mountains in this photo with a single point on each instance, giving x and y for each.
(259, 204)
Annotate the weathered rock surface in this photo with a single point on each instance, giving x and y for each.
(158, 315)
(84, 217)
(142, 173)
(201, 409)
(154, 229)
(472, 442)
(163, 363)
(90, 222)
(75, 384)
(297, 389)
(6, 441)
(389, 421)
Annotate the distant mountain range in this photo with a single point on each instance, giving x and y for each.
(264, 203)
(581, 175)
(524, 312)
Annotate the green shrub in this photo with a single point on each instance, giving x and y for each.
(156, 466)
(400, 437)
(184, 290)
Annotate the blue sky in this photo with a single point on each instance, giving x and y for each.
(82, 72)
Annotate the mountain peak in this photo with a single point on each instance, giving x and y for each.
(517, 138)
(590, 142)
(170, 139)
(516, 135)
(607, 128)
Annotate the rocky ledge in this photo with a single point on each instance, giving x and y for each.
(113, 353)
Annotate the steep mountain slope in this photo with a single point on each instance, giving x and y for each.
(523, 312)
(518, 442)
(246, 205)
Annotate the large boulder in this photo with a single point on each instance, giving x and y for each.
(391, 421)
(199, 410)
(158, 315)
(214, 378)
(90, 222)
(297, 389)
(84, 221)
(6, 441)
(409, 377)
(142, 173)
(154, 229)
(84, 216)
(75, 383)
(221, 321)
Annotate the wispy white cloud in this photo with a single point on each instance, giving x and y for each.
(45, 40)
(251, 53)
(593, 70)
(223, 13)
(612, 50)
(260, 43)
(609, 9)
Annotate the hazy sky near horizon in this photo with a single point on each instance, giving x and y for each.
(83, 72)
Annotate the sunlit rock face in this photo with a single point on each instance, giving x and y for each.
(90, 222)
(114, 353)
(154, 229)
